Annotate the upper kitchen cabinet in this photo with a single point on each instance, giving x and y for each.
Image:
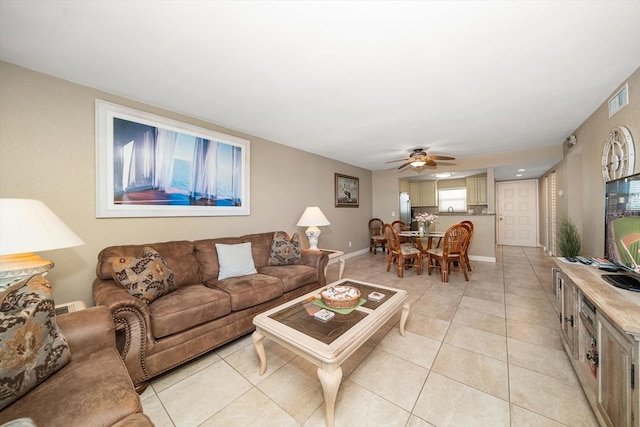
(423, 193)
(477, 190)
(428, 193)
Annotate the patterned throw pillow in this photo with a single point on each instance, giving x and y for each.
(31, 344)
(285, 251)
(147, 278)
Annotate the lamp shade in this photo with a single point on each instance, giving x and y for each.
(30, 226)
(313, 216)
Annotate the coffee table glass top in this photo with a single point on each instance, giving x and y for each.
(300, 316)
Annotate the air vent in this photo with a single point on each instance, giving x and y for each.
(619, 100)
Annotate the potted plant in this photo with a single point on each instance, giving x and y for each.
(569, 239)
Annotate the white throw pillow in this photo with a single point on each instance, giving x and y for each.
(235, 260)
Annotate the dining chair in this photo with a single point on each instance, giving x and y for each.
(454, 247)
(376, 234)
(403, 254)
(470, 224)
(401, 226)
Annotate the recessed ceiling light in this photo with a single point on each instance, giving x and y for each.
(520, 170)
(519, 175)
(442, 174)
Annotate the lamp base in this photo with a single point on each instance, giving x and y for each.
(313, 233)
(19, 266)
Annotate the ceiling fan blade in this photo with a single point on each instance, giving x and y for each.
(404, 166)
(430, 162)
(399, 160)
(442, 157)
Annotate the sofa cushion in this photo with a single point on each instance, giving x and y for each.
(94, 391)
(235, 260)
(292, 276)
(147, 278)
(32, 346)
(285, 251)
(247, 291)
(186, 307)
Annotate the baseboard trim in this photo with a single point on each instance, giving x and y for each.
(482, 258)
(356, 253)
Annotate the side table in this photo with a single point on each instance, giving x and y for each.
(335, 256)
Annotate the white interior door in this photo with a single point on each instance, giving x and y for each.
(517, 213)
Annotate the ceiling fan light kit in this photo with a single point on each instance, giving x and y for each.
(419, 158)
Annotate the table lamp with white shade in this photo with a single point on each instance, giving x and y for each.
(313, 218)
(28, 226)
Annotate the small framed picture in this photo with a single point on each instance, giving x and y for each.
(347, 191)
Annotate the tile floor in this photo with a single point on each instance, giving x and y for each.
(481, 353)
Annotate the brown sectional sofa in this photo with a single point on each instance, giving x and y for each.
(93, 389)
(202, 313)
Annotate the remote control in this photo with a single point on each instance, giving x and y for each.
(584, 260)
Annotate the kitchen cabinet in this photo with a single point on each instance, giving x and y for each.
(482, 190)
(404, 186)
(414, 193)
(423, 193)
(477, 190)
(428, 193)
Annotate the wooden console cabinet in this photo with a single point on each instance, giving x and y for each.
(601, 334)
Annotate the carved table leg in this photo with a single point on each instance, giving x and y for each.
(258, 344)
(330, 378)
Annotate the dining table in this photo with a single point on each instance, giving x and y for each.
(419, 240)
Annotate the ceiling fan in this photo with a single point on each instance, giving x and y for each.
(419, 158)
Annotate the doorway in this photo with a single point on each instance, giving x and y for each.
(517, 213)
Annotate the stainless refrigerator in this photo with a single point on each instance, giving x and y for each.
(405, 209)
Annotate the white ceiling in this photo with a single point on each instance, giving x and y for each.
(360, 82)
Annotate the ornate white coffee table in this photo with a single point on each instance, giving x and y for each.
(328, 345)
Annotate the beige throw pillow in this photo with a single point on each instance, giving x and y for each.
(235, 260)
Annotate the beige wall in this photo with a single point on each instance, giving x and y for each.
(579, 174)
(47, 152)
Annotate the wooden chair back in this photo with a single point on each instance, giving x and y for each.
(454, 249)
(466, 255)
(400, 226)
(405, 255)
(376, 234)
(375, 227)
(456, 240)
(393, 241)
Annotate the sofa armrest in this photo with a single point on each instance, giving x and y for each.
(87, 331)
(132, 319)
(317, 260)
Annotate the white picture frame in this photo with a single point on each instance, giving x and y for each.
(152, 166)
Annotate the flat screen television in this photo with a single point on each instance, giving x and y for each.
(622, 231)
